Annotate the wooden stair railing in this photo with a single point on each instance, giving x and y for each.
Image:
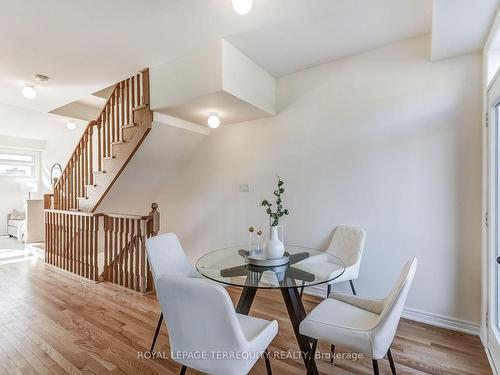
(106, 146)
(125, 260)
(74, 241)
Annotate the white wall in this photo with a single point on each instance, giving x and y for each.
(385, 140)
(45, 133)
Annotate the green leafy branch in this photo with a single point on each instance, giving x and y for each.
(274, 216)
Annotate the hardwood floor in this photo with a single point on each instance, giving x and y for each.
(52, 322)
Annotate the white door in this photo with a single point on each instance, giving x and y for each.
(493, 253)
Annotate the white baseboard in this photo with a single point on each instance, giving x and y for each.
(441, 321)
(492, 364)
(420, 316)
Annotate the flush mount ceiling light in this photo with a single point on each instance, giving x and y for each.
(213, 120)
(29, 92)
(71, 125)
(242, 7)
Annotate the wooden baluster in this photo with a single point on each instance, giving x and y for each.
(68, 241)
(56, 238)
(85, 162)
(145, 87)
(86, 225)
(138, 78)
(77, 174)
(46, 216)
(132, 95)
(99, 147)
(48, 253)
(127, 104)
(71, 242)
(63, 242)
(136, 255)
(107, 132)
(91, 157)
(130, 271)
(106, 248)
(144, 267)
(74, 170)
(81, 246)
(126, 252)
(113, 117)
(96, 248)
(82, 170)
(120, 250)
(122, 109)
(115, 250)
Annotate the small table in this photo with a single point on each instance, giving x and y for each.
(228, 266)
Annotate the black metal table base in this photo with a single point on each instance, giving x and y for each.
(296, 312)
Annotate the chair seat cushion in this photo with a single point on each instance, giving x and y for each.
(252, 326)
(341, 324)
(320, 266)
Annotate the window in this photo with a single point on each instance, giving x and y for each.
(18, 163)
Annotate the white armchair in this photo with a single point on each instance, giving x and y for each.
(361, 324)
(166, 257)
(206, 333)
(347, 244)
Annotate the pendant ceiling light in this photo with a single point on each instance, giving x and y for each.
(242, 7)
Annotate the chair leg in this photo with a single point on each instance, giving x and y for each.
(268, 363)
(302, 289)
(391, 362)
(333, 353)
(183, 370)
(328, 290)
(158, 327)
(352, 287)
(312, 354)
(375, 367)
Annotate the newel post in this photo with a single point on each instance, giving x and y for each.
(155, 220)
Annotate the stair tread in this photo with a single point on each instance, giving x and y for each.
(82, 198)
(109, 157)
(99, 172)
(118, 142)
(129, 126)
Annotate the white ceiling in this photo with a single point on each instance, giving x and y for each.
(87, 45)
(84, 46)
(23, 123)
(460, 26)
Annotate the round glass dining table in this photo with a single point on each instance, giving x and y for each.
(306, 267)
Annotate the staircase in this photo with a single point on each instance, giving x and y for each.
(103, 246)
(105, 148)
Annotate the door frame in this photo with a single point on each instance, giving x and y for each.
(492, 220)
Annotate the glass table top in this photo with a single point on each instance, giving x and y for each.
(307, 267)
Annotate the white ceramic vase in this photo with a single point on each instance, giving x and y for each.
(274, 248)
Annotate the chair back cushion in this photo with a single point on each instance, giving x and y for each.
(391, 313)
(166, 257)
(347, 244)
(201, 320)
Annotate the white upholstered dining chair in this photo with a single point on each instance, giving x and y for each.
(347, 244)
(166, 257)
(206, 333)
(359, 324)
